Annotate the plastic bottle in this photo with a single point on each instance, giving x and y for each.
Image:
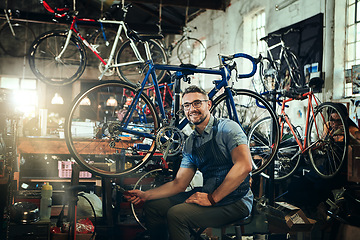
(46, 201)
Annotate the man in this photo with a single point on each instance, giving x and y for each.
(218, 148)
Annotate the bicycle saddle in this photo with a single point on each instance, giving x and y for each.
(316, 83)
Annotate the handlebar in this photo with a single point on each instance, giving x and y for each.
(272, 35)
(298, 93)
(58, 12)
(112, 12)
(254, 61)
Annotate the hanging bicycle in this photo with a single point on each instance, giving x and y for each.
(15, 37)
(59, 57)
(286, 64)
(189, 50)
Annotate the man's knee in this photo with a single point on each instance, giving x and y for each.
(177, 214)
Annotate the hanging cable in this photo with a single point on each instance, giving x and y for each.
(160, 17)
(102, 9)
(187, 12)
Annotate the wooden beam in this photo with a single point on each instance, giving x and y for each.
(208, 4)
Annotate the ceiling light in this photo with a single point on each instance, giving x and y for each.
(85, 101)
(57, 99)
(111, 102)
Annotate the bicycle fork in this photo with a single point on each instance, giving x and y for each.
(68, 37)
(8, 21)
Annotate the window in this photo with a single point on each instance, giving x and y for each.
(254, 23)
(257, 32)
(352, 53)
(24, 95)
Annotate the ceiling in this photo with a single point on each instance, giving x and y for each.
(142, 16)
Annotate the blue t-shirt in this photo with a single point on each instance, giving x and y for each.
(229, 136)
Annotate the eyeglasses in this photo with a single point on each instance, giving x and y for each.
(195, 104)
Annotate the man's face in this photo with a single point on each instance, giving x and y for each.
(196, 107)
(335, 121)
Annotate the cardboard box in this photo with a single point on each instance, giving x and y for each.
(285, 218)
(353, 163)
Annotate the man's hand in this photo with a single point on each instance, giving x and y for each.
(135, 196)
(200, 198)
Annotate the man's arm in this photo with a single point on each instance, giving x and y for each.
(242, 167)
(179, 184)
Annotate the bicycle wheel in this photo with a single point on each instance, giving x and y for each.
(293, 68)
(286, 161)
(268, 74)
(250, 108)
(97, 136)
(149, 180)
(191, 51)
(328, 137)
(17, 44)
(134, 72)
(44, 61)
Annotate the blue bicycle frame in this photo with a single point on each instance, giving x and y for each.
(182, 72)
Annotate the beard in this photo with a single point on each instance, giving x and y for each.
(201, 119)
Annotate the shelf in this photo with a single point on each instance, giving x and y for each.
(97, 181)
(40, 145)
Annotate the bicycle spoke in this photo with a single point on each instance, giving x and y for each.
(133, 73)
(327, 140)
(287, 158)
(106, 137)
(263, 139)
(46, 64)
(149, 180)
(16, 46)
(191, 51)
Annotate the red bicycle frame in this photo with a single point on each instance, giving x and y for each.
(310, 109)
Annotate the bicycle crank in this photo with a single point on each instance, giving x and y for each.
(106, 72)
(169, 140)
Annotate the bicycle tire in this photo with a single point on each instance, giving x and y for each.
(16, 46)
(46, 68)
(251, 107)
(186, 51)
(134, 73)
(268, 74)
(293, 67)
(328, 143)
(284, 166)
(161, 176)
(93, 132)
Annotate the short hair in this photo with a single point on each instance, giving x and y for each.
(194, 89)
(343, 109)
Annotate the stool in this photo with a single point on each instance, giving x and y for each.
(238, 225)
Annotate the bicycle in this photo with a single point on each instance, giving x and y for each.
(59, 57)
(286, 65)
(189, 50)
(15, 37)
(127, 142)
(325, 138)
(157, 175)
